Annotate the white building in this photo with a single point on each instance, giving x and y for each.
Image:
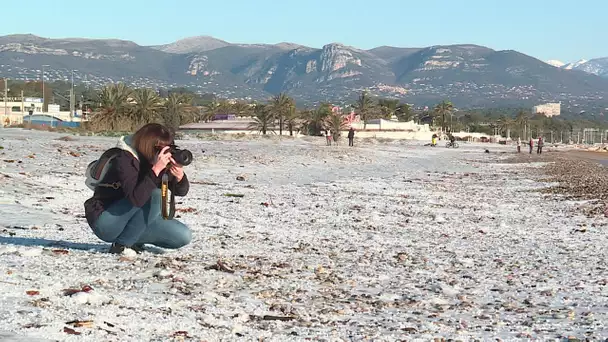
(14, 109)
(15, 105)
(548, 109)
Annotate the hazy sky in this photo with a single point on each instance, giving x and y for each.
(556, 29)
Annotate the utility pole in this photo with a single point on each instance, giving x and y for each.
(6, 97)
(451, 122)
(43, 98)
(72, 100)
(43, 88)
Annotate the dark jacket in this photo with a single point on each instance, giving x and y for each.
(137, 182)
(351, 134)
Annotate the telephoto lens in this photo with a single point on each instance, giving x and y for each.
(182, 157)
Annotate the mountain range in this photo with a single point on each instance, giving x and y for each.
(468, 75)
(597, 66)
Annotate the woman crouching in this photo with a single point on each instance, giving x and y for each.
(128, 213)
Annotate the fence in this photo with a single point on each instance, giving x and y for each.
(50, 121)
(576, 136)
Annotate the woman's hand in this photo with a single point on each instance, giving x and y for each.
(161, 161)
(176, 170)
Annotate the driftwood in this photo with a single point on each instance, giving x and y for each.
(220, 266)
(274, 318)
(204, 183)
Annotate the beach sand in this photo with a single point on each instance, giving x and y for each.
(384, 242)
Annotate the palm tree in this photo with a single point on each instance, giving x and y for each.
(522, 121)
(291, 119)
(113, 107)
(404, 112)
(471, 119)
(306, 117)
(555, 126)
(188, 113)
(365, 108)
(145, 106)
(263, 119)
(225, 107)
(215, 107)
(570, 129)
(505, 124)
(241, 109)
(209, 110)
(280, 105)
(178, 110)
(388, 107)
(426, 117)
(442, 109)
(335, 123)
(314, 120)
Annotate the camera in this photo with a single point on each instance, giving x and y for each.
(182, 157)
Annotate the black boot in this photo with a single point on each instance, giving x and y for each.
(117, 248)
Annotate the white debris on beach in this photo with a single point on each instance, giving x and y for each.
(378, 242)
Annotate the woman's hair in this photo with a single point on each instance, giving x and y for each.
(148, 139)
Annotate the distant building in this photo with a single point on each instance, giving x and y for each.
(548, 109)
(20, 105)
(16, 110)
(224, 117)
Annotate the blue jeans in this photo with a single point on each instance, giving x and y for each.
(128, 225)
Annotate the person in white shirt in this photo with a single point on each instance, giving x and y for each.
(518, 145)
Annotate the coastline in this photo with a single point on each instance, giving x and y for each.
(595, 156)
(576, 176)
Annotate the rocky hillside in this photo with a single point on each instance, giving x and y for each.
(597, 66)
(469, 75)
(192, 44)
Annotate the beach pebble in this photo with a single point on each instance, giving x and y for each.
(30, 252)
(7, 249)
(439, 219)
(162, 273)
(87, 298)
(128, 253)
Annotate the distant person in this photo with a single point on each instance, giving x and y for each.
(531, 145)
(125, 208)
(351, 137)
(328, 137)
(452, 138)
(539, 146)
(434, 140)
(518, 145)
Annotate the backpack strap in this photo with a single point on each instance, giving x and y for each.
(98, 169)
(115, 185)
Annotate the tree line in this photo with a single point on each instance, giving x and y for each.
(522, 123)
(118, 107)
